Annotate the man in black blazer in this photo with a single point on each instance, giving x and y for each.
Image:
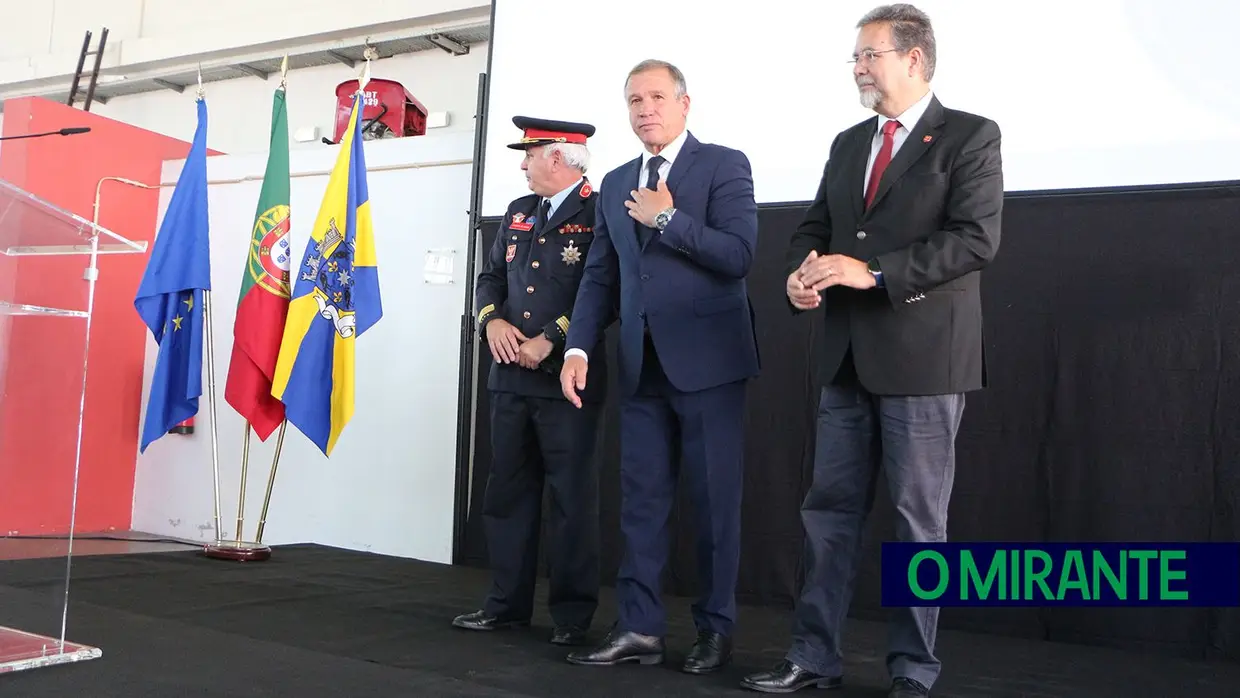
(889, 257)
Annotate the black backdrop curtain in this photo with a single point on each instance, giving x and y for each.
(1113, 414)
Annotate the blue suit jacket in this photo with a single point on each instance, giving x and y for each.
(688, 282)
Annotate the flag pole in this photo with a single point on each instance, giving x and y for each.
(239, 549)
(206, 310)
(275, 460)
(245, 466)
(271, 481)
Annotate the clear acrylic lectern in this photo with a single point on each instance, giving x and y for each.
(48, 271)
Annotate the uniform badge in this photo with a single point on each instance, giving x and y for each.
(586, 190)
(570, 255)
(512, 253)
(519, 222)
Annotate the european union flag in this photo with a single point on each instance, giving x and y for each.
(170, 296)
(335, 300)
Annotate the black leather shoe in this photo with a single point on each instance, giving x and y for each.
(481, 620)
(711, 652)
(902, 687)
(620, 647)
(788, 677)
(568, 635)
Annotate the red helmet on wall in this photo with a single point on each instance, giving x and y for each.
(388, 110)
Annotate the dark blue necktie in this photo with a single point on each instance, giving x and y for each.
(645, 233)
(652, 169)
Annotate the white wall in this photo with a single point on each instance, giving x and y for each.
(389, 485)
(240, 108)
(1088, 94)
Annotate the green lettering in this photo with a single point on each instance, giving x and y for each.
(1038, 577)
(1014, 578)
(1073, 565)
(970, 578)
(944, 575)
(1166, 575)
(1143, 572)
(1118, 584)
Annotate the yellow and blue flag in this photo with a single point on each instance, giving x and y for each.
(335, 299)
(169, 298)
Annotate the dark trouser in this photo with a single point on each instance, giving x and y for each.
(535, 440)
(662, 430)
(912, 440)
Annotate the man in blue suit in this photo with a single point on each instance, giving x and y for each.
(674, 236)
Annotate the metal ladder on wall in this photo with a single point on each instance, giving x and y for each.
(94, 73)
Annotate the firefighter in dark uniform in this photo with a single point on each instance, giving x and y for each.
(525, 294)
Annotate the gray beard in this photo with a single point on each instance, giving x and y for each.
(871, 98)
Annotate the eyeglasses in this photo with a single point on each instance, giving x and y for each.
(870, 54)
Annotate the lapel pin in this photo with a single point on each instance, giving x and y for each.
(927, 139)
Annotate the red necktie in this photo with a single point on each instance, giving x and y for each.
(881, 162)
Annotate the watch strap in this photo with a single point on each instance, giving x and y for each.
(876, 272)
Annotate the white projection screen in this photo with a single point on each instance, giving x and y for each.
(1088, 93)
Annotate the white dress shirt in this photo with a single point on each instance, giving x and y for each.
(669, 153)
(908, 121)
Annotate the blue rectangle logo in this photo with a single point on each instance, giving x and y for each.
(1061, 574)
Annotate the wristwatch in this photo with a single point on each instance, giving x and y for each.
(876, 273)
(663, 218)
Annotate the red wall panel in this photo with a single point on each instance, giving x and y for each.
(41, 379)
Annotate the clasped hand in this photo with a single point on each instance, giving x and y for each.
(820, 272)
(509, 345)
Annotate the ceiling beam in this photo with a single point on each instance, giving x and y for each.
(180, 76)
(340, 57)
(448, 44)
(168, 85)
(251, 70)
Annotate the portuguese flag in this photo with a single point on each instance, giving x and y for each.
(263, 304)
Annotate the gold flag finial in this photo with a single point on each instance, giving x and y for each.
(202, 91)
(369, 54)
(284, 71)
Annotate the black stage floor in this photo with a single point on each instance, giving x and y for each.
(317, 621)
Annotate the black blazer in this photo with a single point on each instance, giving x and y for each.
(932, 228)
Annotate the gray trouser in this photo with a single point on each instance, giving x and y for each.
(912, 441)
